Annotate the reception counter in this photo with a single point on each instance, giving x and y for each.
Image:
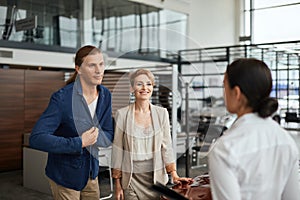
(34, 177)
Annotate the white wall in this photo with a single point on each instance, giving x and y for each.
(38, 58)
(213, 23)
(64, 60)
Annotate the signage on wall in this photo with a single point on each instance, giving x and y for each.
(26, 24)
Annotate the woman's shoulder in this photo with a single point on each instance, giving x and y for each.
(121, 113)
(158, 108)
(123, 109)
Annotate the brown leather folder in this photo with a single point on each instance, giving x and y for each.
(199, 190)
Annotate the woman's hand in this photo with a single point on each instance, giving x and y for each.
(119, 191)
(182, 180)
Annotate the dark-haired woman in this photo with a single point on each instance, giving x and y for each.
(76, 122)
(255, 158)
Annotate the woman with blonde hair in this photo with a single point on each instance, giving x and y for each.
(142, 148)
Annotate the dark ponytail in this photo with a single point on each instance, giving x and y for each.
(72, 78)
(266, 107)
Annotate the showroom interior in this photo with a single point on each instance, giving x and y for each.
(187, 44)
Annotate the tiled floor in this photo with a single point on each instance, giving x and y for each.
(11, 184)
(11, 187)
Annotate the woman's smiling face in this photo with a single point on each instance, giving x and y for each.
(143, 87)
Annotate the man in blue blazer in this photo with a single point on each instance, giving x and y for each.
(76, 122)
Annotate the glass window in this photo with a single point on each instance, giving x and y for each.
(57, 22)
(173, 26)
(138, 28)
(3, 10)
(114, 25)
(276, 24)
(268, 3)
(68, 31)
(272, 21)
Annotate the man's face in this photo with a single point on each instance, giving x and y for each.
(91, 70)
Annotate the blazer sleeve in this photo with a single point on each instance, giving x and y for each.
(42, 136)
(167, 148)
(117, 149)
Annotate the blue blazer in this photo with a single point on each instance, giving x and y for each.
(59, 129)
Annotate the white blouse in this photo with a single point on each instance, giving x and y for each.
(142, 143)
(254, 159)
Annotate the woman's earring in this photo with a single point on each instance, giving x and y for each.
(131, 96)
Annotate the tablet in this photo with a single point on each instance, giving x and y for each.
(171, 194)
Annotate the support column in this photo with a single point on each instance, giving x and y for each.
(85, 22)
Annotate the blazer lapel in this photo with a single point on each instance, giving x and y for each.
(130, 125)
(156, 127)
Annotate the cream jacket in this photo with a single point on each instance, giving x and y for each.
(163, 156)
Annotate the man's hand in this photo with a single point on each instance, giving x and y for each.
(90, 137)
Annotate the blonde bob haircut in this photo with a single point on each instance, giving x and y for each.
(138, 72)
